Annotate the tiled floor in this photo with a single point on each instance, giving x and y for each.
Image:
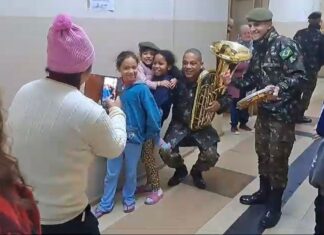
(187, 210)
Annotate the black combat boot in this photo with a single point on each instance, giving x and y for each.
(319, 214)
(178, 176)
(273, 211)
(197, 178)
(303, 119)
(260, 196)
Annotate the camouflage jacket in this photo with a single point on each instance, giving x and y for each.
(183, 100)
(311, 43)
(276, 60)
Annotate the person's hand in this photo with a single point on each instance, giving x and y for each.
(213, 106)
(164, 83)
(173, 83)
(226, 77)
(316, 136)
(273, 94)
(109, 103)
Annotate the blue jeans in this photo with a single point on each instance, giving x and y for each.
(130, 157)
(238, 116)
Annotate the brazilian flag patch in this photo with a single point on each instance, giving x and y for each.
(286, 53)
(292, 59)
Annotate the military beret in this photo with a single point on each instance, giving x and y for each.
(148, 45)
(315, 15)
(259, 15)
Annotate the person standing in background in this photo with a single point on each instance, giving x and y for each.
(230, 26)
(311, 42)
(240, 116)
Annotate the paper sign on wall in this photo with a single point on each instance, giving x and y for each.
(102, 5)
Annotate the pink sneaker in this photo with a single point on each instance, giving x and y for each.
(154, 197)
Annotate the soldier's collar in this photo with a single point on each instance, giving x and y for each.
(191, 83)
(272, 34)
(314, 26)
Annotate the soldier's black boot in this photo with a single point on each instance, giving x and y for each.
(273, 211)
(197, 178)
(259, 197)
(178, 176)
(304, 119)
(319, 214)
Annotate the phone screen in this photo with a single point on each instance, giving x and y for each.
(109, 88)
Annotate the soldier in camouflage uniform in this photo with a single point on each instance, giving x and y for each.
(276, 62)
(311, 42)
(179, 134)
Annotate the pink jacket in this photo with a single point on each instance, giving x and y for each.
(239, 72)
(145, 74)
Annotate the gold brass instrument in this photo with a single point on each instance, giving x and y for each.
(256, 97)
(210, 86)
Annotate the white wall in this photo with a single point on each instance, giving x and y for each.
(291, 15)
(203, 10)
(172, 24)
(125, 9)
(293, 10)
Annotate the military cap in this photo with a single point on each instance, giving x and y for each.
(147, 45)
(259, 15)
(315, 15)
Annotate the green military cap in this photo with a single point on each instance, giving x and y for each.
(259, 15)
(147, 45)
(315, 15)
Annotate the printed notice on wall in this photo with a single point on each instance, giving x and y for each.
(101, 5)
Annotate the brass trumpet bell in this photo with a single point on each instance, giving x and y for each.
(233, 52)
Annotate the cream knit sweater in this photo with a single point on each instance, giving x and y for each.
(56, 132)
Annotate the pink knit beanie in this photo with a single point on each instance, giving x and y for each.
(69, 50)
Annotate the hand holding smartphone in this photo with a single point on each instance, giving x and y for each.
(113, 102)
(109, 93)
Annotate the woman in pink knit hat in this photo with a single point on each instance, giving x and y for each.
(57, 132)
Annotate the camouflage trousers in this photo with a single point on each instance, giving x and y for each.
(273, 144)
(307, 92)
(178, 135)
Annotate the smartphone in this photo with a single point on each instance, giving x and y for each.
(109, 88)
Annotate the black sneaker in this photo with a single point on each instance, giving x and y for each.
(197, 178)
(245, 127)
(178, 176)
(235, 131)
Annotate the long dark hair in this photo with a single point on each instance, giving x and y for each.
(73, 79)
(171, 61)
(9, 170)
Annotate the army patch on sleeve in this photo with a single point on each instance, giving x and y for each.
(286, 53)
